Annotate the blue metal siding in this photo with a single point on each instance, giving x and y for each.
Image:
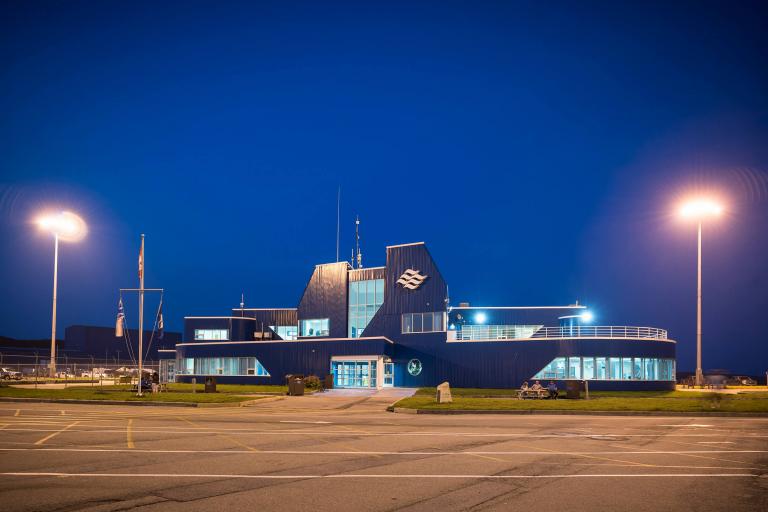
(326, 297)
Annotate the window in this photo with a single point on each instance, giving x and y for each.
(574, 368)
(615, 368)
(287, 332)
(608, 368)
(222, 366)
(626, 371)
(600, 368)
(211, 334)
(589, 368)
(365, 299)
(423, 322)
(315, 327)
(554, 370)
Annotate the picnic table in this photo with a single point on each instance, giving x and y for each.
(532, 393)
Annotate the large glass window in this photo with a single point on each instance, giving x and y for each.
(222, 366)
(211, 334)
(608, 368)
(365, 299)
(423, 322)
(315, 327)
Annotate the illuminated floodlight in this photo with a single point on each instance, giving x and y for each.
(480, 318)
(68, 226)
(587, 316)
(700, 208)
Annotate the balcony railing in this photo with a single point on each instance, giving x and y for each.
(526, 332)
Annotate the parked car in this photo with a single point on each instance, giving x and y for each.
(8, 374)
(742, 380)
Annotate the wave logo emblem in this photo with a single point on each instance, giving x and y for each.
(414, 367)
(411, 279)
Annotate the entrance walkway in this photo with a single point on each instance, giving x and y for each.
(353, 400)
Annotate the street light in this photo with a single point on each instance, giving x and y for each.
(698, 210)
(68, 227)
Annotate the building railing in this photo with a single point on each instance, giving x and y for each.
(527, 332)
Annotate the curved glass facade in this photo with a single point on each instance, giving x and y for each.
(608, 368)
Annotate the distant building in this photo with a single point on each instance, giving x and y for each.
(394, 326)
(100, 342)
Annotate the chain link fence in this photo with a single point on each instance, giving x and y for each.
(28, 369)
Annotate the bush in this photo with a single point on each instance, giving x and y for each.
(312, 382)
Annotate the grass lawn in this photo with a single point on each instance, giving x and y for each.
(122, 393)
(233, 388)
(672, 401)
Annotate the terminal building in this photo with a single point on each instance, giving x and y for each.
(395, 326)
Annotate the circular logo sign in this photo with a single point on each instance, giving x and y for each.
(414, 367)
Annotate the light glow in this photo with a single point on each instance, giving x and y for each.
(700, 208)
(68, 226)
(480, 318)
(587, 316)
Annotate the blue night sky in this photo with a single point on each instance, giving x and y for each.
(540, 149)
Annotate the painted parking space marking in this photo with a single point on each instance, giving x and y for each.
(57, 432)
(307, 421)
(377, 476)
(284, 432)
(378, 452)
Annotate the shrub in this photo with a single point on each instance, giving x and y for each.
(312, 382)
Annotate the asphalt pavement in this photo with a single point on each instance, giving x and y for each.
(342, 451)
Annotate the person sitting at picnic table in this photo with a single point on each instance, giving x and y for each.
(536, 386)
(524, 387)
(552, 388)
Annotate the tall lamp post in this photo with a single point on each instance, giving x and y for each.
(699, 210)
(67, 227)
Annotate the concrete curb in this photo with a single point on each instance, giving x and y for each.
(404, 410)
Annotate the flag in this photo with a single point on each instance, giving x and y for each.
(120, 320)
(141, 262)
(160, 322)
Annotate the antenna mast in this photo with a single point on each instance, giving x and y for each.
(357, 243)
(338, 211)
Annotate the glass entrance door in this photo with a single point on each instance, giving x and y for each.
(354, 374)
(389, 375)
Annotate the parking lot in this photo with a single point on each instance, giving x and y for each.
(343, 451)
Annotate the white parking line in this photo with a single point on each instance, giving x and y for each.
(46, 438)
(382, 476)
(281, 432)
(311, 422)
(362, 452)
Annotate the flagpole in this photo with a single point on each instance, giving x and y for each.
(141, 310)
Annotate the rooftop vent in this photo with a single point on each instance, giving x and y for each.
(463, 304)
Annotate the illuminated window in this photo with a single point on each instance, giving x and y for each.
(608, 368)
(236, 366)
(365, 299)
(211, 334)
(423, 322)
(315, 327)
